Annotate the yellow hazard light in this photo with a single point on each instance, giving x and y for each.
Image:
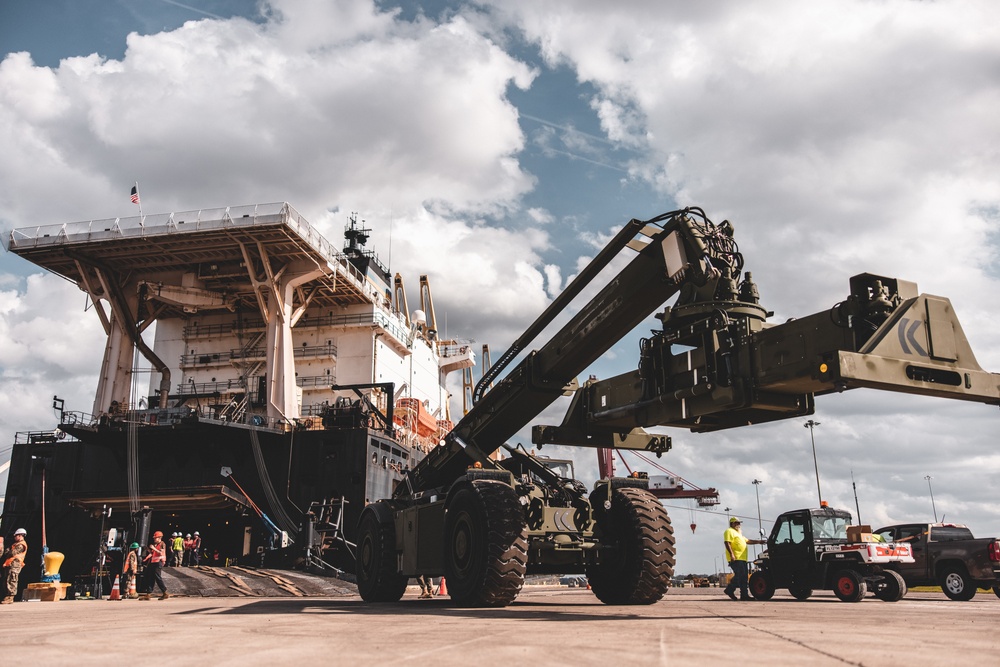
(823, 368)
(477, 465)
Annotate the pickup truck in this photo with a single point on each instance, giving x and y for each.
(947, 554)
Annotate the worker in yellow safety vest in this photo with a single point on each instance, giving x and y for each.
(13, 561)
(736, 555)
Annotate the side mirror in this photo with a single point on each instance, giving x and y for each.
(763, 535)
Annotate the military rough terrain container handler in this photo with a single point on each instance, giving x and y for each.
(715, 363)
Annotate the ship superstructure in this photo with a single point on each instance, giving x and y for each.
(239, 340)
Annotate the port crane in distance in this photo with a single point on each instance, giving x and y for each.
(715, 363)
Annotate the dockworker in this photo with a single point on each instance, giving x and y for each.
(736, 554)
(130, 568)
(177, 549)
(156, 557)
(196, 549)
(426, 586)
(13, 561)
(188, 546)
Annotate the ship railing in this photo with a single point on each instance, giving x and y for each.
(255, 354)
(162, 224)
(315, 381)
(159, 224)
(380, 318)
(201, 388)
(42, 437)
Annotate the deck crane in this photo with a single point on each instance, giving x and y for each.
(714, 363)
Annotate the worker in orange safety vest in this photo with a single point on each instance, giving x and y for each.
(156, 558)
(13, 561)
(130, 568)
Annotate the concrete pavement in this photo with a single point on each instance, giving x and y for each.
(547, 625)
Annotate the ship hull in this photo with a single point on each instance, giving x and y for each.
(286, 476)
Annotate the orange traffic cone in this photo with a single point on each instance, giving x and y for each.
(116, 593)
(132, 593)
(442, 588)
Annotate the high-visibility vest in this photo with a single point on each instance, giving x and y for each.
(131, 562)
(17, 551)
(157, 552)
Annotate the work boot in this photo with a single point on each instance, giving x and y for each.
(731, 594)
(165, 595)
(7, 600)
(144, 596)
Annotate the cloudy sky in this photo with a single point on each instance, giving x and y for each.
(495, 145)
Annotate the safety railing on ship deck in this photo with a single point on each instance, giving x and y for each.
(162, 224)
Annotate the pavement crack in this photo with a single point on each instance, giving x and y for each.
(790, 640)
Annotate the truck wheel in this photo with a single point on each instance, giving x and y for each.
(378, 579)
(485, 545)
(800, 592)
(891, 588)
(761, 586)
(638, 565)
(849, 586)
(956, 584)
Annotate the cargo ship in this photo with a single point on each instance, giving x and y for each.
(258, 385)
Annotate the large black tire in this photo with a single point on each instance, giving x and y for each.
(849, 586)
(761, 587)
(996, 591)
(800, 592)
(637, 567)
(378, 578)
(891, 588)
(485, 545)
(957, 585)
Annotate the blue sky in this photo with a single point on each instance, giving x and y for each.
(501, 142)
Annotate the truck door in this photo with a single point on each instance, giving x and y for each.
(791, 553)
(913, 534)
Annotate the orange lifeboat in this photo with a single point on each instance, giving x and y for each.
(410, 412)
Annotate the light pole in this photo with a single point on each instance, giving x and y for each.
(811, 424)
(760, 524)
(933, 507)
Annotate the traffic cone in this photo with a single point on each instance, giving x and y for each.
(132, 593)
(442, 588)
(116, 593)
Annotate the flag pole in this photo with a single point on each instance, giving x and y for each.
(137, 200)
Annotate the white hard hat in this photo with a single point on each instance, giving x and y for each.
(189, 535)
(20, 531)
(197, 533)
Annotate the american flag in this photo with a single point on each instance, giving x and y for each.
(135, 194)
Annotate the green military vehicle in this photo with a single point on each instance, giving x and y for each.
(714, 363)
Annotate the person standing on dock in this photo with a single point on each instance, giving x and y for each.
(157, 556)
(130, 568)
(196, 549)
(736, 555)
(177, 548)
(13, 561)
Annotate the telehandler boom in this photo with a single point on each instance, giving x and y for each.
(715, 363)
